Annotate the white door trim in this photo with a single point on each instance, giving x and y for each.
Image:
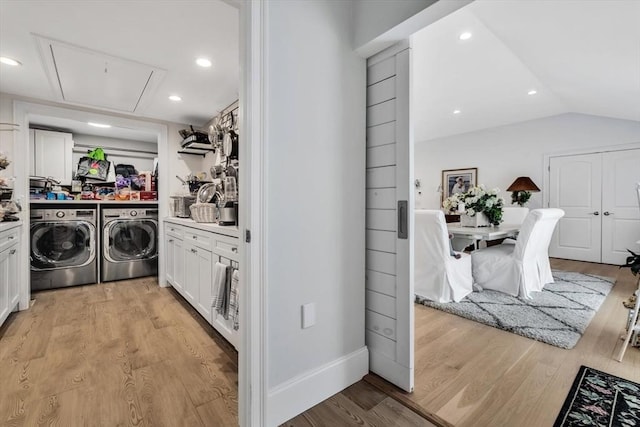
(253, 363)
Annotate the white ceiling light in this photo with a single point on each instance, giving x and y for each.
(98, 125)
(465, 36)
(9, 61)
(175, 98)
(203, 62)
(456, 111)
(532, 92)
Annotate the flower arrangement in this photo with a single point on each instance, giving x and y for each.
(4, 161)
(477, 199)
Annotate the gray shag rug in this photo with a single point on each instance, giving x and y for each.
(558, 315)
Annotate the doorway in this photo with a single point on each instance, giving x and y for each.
(596, 191)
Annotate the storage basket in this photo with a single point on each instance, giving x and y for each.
(203, 212)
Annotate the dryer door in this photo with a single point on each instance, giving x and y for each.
(56, 245)
(130, 240)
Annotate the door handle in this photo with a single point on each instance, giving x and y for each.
(596, 213)
(170, 240)
(403, 232)
(607, 213)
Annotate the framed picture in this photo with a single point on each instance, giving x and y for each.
(458, 181)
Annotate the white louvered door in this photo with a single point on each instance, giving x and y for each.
(389, 220)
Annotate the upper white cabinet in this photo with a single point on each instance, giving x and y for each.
(52, 155)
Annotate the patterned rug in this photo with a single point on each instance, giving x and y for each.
(558, 315)
(599, 399)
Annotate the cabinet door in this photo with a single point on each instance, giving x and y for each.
(32, 152)
(191, 276)
(178, 264)
(54, 155)
(14, 282)
(205, 281)
(4, 285)
(169, 243)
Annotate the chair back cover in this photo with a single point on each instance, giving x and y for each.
(514, 215)
(437, 275)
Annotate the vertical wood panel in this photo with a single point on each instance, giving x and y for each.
(384, 155)
(380, 303)
(381, 240)
(382, 70)
(381, 198)
(381, 134)
(380, 344)
(382, 177)
(378, 219)
(382, 262)
(380, 282)
(380, 324)
(381, 91)
(381, 113)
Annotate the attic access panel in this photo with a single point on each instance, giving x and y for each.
(87, 77)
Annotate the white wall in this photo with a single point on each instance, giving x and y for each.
(315, 148)
(6, 137)
(503, 153)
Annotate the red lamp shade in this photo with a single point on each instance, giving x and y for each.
(523, 183)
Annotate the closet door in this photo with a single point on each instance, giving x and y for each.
(389, 219)
(621, 214)
(576, 187)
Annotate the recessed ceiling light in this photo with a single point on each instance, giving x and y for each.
(98, 125)
(456, 111)
(465, 36)
(175, 98)
(9, 61)
(532, 92)
(203, 62)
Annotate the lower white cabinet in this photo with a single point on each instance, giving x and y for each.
(9, 273)
(191, 254)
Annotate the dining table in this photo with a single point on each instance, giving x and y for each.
(478, 234)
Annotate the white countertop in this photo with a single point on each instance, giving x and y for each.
(93, 202)
(8, 225)
(227, 230)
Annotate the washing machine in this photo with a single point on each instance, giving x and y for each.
(63, 247)
(129, 243)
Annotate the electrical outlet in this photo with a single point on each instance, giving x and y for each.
(308, 315)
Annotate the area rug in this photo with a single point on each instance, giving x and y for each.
(599, 399)
(558, 315)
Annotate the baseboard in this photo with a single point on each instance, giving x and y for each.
(304, 391)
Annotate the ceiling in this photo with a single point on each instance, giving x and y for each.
(150, 48)
(581, 56)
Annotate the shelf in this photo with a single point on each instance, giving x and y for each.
(196, 151)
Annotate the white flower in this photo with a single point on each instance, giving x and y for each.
(471, 212)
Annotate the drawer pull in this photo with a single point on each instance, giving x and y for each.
(12, 237)
(170, 240)
(234, 250)
(13, 251)
(194, 251)
(195, 237)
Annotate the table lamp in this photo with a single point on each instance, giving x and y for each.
(521, 190)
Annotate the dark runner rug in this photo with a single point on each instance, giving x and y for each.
(599, 399)
(558, 315)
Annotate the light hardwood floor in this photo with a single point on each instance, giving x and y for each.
(120, 353)
(132, 353)
(470, 374)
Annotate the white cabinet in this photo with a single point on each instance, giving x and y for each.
(191, 256)
(52, 155)
(9, 273)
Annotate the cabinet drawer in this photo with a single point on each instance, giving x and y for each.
(226, 246)
(201, 239)
(174, 230)
(8, 238)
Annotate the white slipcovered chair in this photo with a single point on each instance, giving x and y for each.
(524, 267)
(438, 276)
(514, 215)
